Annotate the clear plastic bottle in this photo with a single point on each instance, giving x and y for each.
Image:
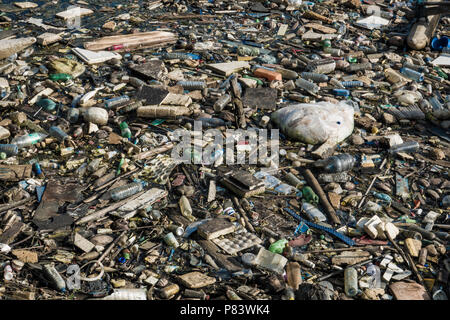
(375, 276)
(352, 84)
(222, 102)
(28, 139)
(351, 282)
(55, 278)
(185, 208)
(354, 67)
(8, 273)
(130, 107)
(116, 101)
(58, 133)
(126, 191)
(9, 149)
(307, 85)
(316, 77)
(192, 85)
(313, 213)
(339, 163)
(412, 74)
(408, 147)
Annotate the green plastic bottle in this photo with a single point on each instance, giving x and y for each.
(309, 195)
(278, 246)
(125, 131)
(46, 104)
(60, 77)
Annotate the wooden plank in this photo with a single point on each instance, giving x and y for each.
(12, 232)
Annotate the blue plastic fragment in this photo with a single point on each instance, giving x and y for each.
(333, 232)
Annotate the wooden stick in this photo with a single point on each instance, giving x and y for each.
(243, 213)
(9, 206)
(104, 211)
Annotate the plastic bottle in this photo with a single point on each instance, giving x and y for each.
(407, 147)
(339, 163)
(412, 74)
(303, 259)
(96, 115)
(9, 149)
(278, 246)
(313, 213)
(38, 170)
(130, 107)
(94, 164)
(382, 196)
(359, 67)
(116, 101)
(124, 130)
(417, 68)
(222, 102)
(351, 282)
(46, 104)
(341, 92)
(8, 274)
(336, 83)
(228, 208)
(28, 139)
(309, 195)
(293, 180)
(60, 77)
(185, 208)
(352, 84)
(126, 191)
(58, 133)
(307, 85)
(56, 280)
(322, 66)
(446, 201)
(375, 273)
(333, 51)
(192, 85)
(136, 82)
(316, 77)
(72, 115)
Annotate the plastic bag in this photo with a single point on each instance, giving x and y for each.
(316, 123)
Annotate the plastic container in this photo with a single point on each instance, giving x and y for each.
(28, 140)
(407, 147)
(307, 85)
(412, 74)
(351, 282)
(313, 213)
(222, 102)
(316, 77)
(58, 133)
(126, 191)
(339, 163)
(170, 240)
(440, 43)
(9, 149)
